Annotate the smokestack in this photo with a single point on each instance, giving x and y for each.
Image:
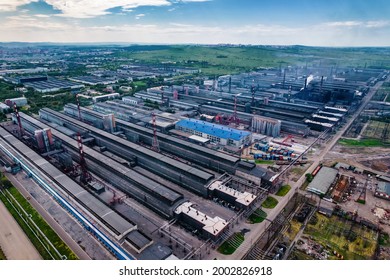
(284, 78)
(230, 84)
(305, 83)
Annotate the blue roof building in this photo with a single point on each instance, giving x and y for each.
(214, 132)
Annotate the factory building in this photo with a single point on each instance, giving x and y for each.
(105, 97)
(44, 139)
(20, 101)
(129, 100)
(325, 119)
(383, 190)
(209, 227)
(151, 97)
(323, 180)
(3, 107)
(44, 84)
(266, 126)
(240, 200)
(318, 126)
(215, 133)
(208, 158)
(94, 80)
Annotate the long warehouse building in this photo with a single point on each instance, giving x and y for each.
(180, 173)
(111, 220)
(153, 194)
(208, 158)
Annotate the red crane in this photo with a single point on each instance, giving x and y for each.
(234, 118)
(287, 138)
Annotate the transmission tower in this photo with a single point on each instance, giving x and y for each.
(155, 144)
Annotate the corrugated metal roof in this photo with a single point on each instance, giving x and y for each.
(384, 187)
(323, 180)
(216, 130)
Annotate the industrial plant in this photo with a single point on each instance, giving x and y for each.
(180, 169)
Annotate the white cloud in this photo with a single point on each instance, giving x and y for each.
(42, 16)
(377, 24)
(344, 23)
(12, 5)
(94, 8)
(15, 24)
(23, 27)
(139, 16)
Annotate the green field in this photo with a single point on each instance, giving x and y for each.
(270, 202)
(384, 240)
(220, 60)
(2, 256)
(257, 217)
(334, 233)
(361, 143)
(292, 231)
(377, 130)
(283, 190)
(63, 249)
(231, 245)
(261, 161)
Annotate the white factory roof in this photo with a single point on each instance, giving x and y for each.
(243, 198)
(327, 118)
(199, 139)
(319, 123)
(212, 225)
(336, 108)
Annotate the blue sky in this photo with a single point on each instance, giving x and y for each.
(285, 22)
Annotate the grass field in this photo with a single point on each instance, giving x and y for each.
(299, 255)
(293, 230)
(2, 256)
(270, 202)
(257, 217)
(377, 130)
(261, 161)
(335, 233)
(384, 240)
(231, 245)
(40, 222)
(361, 143)
(283, 190)
(219, 60)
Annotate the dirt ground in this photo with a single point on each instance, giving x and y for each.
(13, 241)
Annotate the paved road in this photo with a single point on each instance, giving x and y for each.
(273, 213)
(49, 219)
(13, 241)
